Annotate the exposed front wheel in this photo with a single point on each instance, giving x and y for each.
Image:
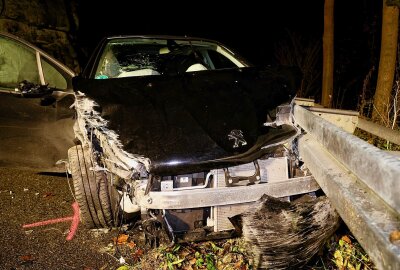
(91, 189)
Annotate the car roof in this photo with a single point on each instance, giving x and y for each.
(164, 37)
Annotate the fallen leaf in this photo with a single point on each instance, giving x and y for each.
(138, 254)
(26, 258)
(122, 239)
(238, 265)
(131, 244)
(346, 239)
(178, 261)
(350, 266)
(338, 258)
(395, 237)
(124, 267)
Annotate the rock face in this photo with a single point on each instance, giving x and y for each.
(49, 24)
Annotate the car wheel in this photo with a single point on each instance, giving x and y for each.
(91, 189)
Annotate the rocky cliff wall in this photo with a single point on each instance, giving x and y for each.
(49, 24)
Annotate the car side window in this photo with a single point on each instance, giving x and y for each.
(52, 76)
(108, 66)
(219, 61)
(17, 63)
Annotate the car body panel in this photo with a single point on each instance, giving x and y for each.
(184, 123)
(33, 135)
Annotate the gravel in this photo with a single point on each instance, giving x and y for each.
(26, 197)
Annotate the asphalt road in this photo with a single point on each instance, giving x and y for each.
(27, 197)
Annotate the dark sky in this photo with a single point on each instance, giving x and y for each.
(253, 29)
(250, 27)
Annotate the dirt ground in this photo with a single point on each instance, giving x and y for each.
(27, 197)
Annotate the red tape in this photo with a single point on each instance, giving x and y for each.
(74, 225)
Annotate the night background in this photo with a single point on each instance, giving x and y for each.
(260, 32)
(249, 28)
(266, 33)
(273, 32)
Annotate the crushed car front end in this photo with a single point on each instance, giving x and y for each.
(183, 134)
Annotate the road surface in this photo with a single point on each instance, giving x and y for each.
(26, 197)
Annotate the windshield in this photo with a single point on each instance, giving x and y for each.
(144, 56)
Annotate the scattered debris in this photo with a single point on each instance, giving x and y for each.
(98, 232)
(47, 195)
(286, 234)
(26, 189)
(109, 249)
(28, 232)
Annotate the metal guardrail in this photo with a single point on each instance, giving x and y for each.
(379, 130)
(362, 182)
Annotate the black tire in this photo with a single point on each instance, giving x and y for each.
(91, 189)
(114, 202)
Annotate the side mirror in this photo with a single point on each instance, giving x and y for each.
(80, 82)
(30, 90)
(76, 81)
(48, 95)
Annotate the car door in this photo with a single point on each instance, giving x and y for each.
(35, 131)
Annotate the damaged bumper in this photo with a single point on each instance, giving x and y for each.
(227, 195)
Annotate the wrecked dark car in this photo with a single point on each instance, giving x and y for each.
(183, 133)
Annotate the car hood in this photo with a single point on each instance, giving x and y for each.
(195, 121)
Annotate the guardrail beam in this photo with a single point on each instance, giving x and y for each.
(368, 217)
(362, 182)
